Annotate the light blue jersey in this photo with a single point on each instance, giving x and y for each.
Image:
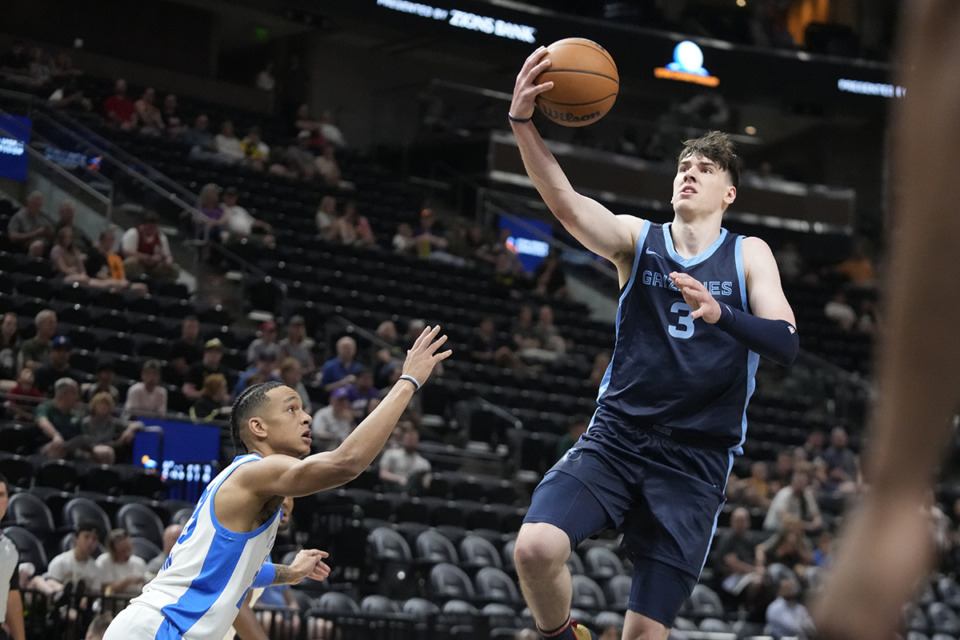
(204, 580)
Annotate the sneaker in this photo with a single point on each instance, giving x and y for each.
(580, 632)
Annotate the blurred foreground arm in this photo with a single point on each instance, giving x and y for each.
(886, 548)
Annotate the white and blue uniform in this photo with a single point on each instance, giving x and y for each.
(200, 587)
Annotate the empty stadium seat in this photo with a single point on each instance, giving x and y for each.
(600, 563)
(30, 512)
(449, 582)
(433, 548)
(378, 604)
(82, 510)
(145, 549)
(493, 585)
(336, 602)
(587, 594)
(141, 521)
(29, 545)
(477, 552)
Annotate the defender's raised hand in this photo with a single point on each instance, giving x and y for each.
(423, 356)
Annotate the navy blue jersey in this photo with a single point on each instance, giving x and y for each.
(668, 370)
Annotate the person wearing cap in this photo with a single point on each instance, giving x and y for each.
(58, 366)
(334, 422)
(103, 383)
(77, 564)
(266, 341)
(146, 251)
(241, 225)
(59, 420)
(147, 397)
(210, 363)
(262, 371)
(342, 370)
(298, 345)
(34, 352)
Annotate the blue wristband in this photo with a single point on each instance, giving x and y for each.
(413, 380)
(265, 576)
(774, 339)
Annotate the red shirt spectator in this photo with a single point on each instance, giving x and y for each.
(119, 109)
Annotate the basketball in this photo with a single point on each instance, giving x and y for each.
(585, 82)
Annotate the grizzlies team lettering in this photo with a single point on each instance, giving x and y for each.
(662, 280)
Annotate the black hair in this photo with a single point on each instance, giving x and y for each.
(87, 525)
(4, 481)
(716, 146)
(247, 404)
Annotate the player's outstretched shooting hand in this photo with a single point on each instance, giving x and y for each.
(525, 92)
(309, 564)
(424, 355)
(697, 297)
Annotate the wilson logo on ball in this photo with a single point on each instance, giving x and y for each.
(585, 82)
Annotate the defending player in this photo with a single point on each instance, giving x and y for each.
(222, 550)
(698, 305)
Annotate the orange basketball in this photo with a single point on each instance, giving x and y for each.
(585, 82)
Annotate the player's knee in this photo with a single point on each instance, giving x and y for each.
(540, 547)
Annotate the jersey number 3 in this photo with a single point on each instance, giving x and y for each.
(682, 327)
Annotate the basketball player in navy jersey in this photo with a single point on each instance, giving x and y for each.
(224, 547)
(698, 306)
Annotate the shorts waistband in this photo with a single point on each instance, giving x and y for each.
(689, 438)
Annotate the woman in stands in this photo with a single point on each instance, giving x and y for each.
(9, 346)
(68, 261)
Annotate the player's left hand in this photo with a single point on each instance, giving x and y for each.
(697, 297)
(309, 563)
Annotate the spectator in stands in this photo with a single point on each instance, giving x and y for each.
(404, 242)
(388, 351)
(69, 261)
(298, 345)
(601, 362)
(57, 366)
(98, 626)
(291, 375)
(147, 397)
(9, 345)
(147, 252)
(331, 132)
(241, 225)
(121, 572)
(255, 151)
(103, 383)
(34, 352)
(839, 311)
(66, 217)
(326, 216)
(334, 422)
(203, 144)
(228, 145)
(109, 438)
(30, 228)
(299, 158)
(62, 66)
(185, 351)
(342, 370)
(265, 341)
(120, 111)
(328, 168)
(24, 397)
(524, 330)
(797, 500)
(148, 114)
(213, 401)
(783, 468)
(351, 228)
(734, 556)
(11, 602)
(76, 566)
(814, 445)
(788, 546)
(173, 123)
(843, 466)
(549, 278)
(211, 362)
(576, 429)
(487, 348)
(786, 616)
(403, 468)
(214, 213)
(430, 236)
(823, 553)
(547, 334)
(361, 393)
(15, 60)
(857, 269)
(39, 72)
(59, 419)
(508, 275)
(265, 80)
(68, 95)
(105, 265)
(170, 536)
(261, 371)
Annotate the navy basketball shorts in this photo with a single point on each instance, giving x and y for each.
(663, 496)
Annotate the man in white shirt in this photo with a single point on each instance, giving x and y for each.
(403, 468)
(147, 397)
(333, 423)
(78, 564)
(241, 224)
(121, 572)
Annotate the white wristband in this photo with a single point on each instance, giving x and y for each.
(411, 379)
